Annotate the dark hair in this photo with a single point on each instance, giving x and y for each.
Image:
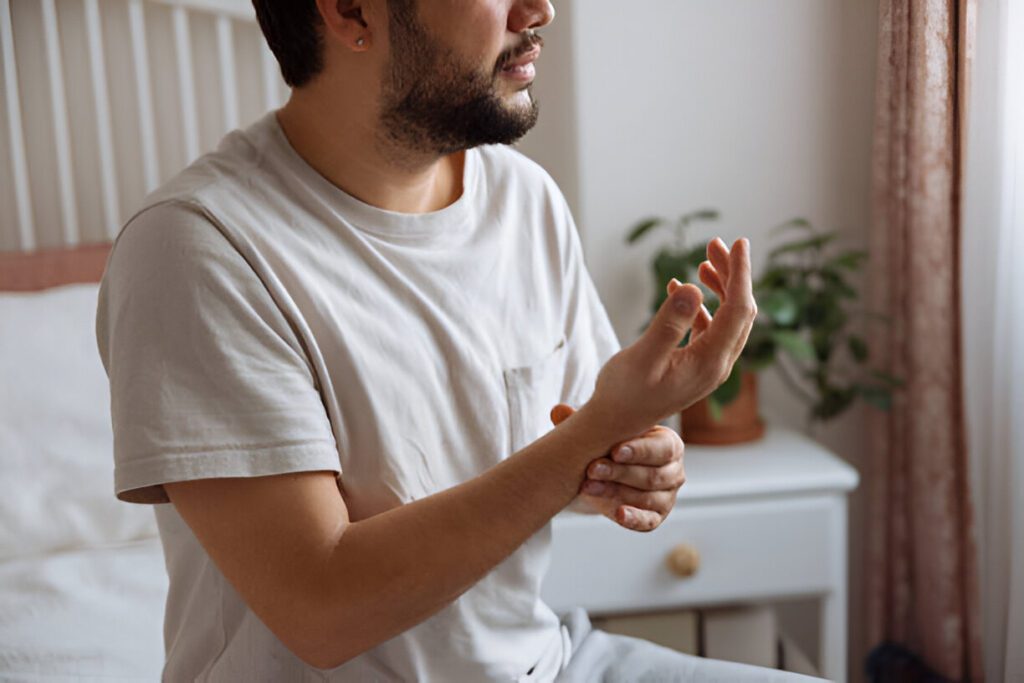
(293, 32)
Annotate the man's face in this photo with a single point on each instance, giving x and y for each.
(459, 73)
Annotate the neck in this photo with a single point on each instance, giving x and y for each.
(345, 146)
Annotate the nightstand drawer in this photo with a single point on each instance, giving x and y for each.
(747, 550)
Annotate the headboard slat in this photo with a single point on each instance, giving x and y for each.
(186, 83)
(144, 94)
(228, 79)
(19, 164)
(101, 105)
(61, 128)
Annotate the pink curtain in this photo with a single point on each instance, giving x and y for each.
(921, 585)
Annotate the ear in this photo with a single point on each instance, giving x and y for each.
(344, 20)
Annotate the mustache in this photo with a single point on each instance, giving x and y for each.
(531, 40)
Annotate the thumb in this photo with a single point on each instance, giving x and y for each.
(672, 320)
(561, 413)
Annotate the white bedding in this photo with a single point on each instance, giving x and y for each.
(82, 577)
(83, 614)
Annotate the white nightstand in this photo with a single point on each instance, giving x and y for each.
(767, 519)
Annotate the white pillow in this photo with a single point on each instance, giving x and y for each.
(56, 445)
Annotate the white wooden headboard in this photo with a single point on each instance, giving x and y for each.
(106, 99)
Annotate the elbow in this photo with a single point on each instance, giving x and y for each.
(326, 630)
(321, 658)
(315, 630)
(317, 651)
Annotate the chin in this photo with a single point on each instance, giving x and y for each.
(520, 100)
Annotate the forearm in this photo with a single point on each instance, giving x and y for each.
(393, 570)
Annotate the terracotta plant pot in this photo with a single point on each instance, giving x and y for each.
(740, 420)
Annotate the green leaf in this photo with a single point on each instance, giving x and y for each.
(668, 264)
(715, 408)
(833, 402)
(759, 351)
(727, 392)
(777, 276)
(879, 397)
(801, 223)
(822, 341)
(816, 242)
(642, 227)
(697, 255)
(858, 348)
(887, 379)
(835, 285)
(850, 260)
(758, 364)
(793, 343)
(780, 307)
(700, 215)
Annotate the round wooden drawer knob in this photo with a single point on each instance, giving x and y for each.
(684, 560)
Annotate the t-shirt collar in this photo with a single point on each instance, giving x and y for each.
(396, 225)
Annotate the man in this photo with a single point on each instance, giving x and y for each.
(333, 345)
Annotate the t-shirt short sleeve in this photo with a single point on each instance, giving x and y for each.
(207, 376)
(590, 337)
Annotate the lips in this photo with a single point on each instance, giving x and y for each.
(525, 59)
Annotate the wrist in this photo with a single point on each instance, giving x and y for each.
(592, 431)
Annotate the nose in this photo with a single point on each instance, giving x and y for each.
(530, 14)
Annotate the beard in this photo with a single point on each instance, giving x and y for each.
(433, 103)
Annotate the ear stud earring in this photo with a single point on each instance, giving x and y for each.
(360, 42)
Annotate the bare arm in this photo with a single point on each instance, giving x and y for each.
(331, 589)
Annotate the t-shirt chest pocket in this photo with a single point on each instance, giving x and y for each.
(532, 391)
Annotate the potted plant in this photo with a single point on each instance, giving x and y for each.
(805, 304)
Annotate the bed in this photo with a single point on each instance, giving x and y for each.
(82, 581)
(102, 101)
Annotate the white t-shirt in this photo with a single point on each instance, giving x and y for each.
(254, 319)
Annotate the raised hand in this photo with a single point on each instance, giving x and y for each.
(654, 378)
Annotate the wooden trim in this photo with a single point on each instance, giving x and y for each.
(33, 271)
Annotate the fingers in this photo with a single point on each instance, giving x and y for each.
(560, 413)
(626, 516)
(731, 324)
(743, 291)
(667, 477)
(710, 277)
(658, 446)
(637, 519)
(739, 283)
(718, 254)
(660, 502)
(672, 321)
(701, 323)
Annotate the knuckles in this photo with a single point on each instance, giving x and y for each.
(656, 480)
(648, 501)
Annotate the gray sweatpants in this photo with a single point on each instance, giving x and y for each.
(600, 656)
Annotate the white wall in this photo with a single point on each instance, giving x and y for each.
(761, 108)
